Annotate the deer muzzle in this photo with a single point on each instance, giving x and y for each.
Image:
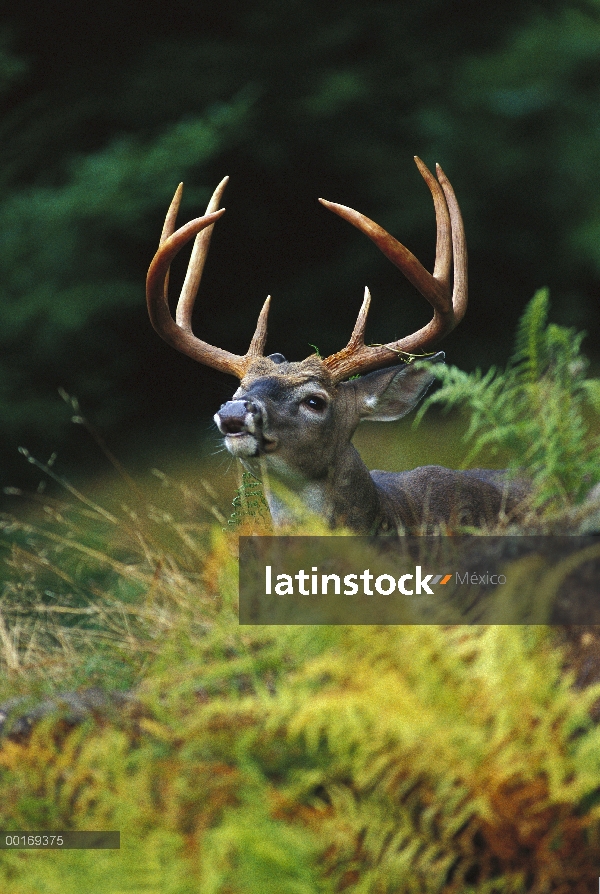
(241, 421)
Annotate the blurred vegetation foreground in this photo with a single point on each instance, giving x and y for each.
(245, 760)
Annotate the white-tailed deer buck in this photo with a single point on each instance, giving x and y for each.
(295, 421)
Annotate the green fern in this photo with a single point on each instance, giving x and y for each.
(536, 410)
(249, 504)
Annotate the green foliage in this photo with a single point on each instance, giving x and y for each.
(534, 90)
(536, 410)
(249, 504)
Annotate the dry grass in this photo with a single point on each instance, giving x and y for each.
(89, 593)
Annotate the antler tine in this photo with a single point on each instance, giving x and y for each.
(178, 332)
(357, 339)
(459, 244)
(443, 247)
(169, 224)
(448, 308)
(257, 345)
(169, 228)
(191, 283)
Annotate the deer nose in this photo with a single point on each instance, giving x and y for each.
(236, 416)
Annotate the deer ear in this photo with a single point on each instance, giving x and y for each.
(389, 394)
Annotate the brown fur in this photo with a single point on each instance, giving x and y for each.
(293, 372)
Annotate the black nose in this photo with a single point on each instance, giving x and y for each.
(233, 416)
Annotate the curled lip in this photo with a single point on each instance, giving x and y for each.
(265, 445)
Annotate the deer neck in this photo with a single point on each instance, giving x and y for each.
(345, 495)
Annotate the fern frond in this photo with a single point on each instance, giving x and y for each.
(534, 409)
(530, 345)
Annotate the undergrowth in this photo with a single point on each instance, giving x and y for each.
(537, 410)
(276, 759)
(301, 760)
(294, 760)
(87, 594)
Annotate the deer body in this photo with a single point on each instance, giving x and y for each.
(291, 426)
(292, 423)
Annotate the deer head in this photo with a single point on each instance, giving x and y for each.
(296, 419)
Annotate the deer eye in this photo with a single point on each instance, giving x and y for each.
(315, 403)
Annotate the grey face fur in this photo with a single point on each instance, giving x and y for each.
(294, 415)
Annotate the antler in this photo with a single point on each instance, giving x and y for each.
(178, 332)
(448, 307)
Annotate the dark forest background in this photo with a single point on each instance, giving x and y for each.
(107, 106)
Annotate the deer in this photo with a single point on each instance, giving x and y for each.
(291, 423)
